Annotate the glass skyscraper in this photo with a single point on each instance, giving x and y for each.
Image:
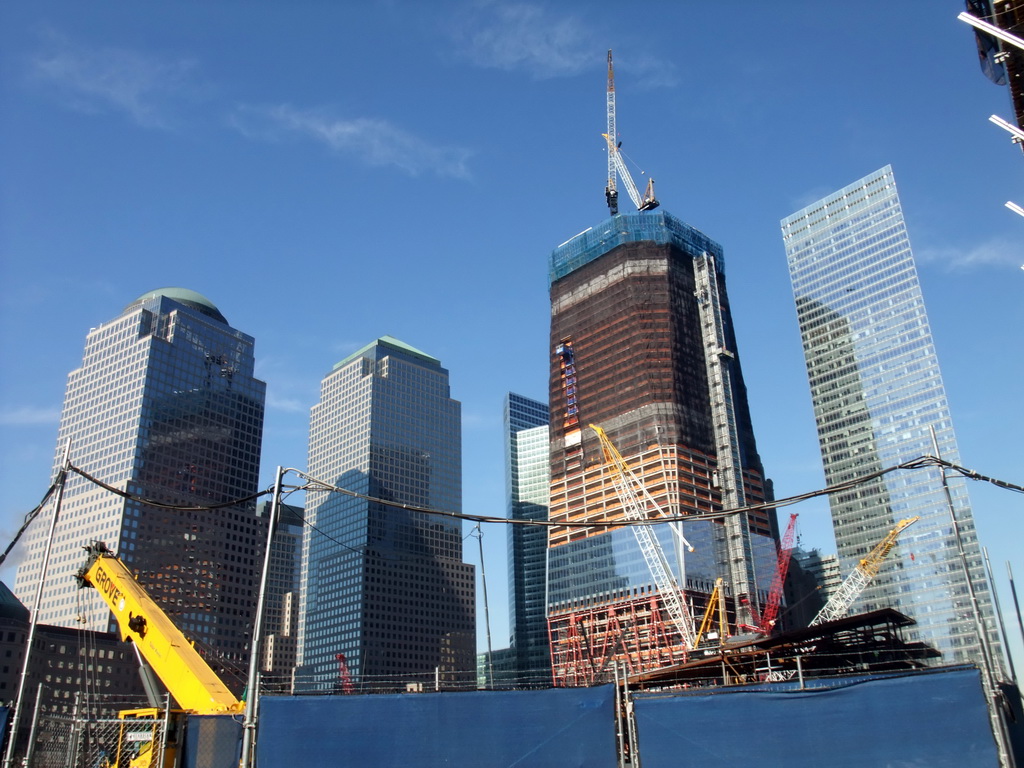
(164, 407)
(527, 474)
(382, 584)
(877, 395)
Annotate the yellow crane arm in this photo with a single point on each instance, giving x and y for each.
(871, 564)
(190, 680)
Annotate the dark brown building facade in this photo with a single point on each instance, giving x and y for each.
(628, 355)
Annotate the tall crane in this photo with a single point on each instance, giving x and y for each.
(635, 501)
(861, 576)
(615, 165)
(771, 611)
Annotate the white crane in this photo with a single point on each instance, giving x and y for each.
(861, 576)
(615, 165)
(635, 500)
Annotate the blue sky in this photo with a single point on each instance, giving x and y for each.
(328, 173)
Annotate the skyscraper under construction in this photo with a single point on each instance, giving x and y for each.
(642, 346)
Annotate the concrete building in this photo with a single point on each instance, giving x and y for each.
(812, 580)
(164, 408)
(382, 582)
(642, 345)
(878, 396)
(527, 477)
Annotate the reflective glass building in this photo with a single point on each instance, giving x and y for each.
(527, 473)
(165, 407)
(877, 394)
(281, 606)
(383, 585)
(629, 354)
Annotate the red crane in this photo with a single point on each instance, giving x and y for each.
(771, 611)
(343, 673)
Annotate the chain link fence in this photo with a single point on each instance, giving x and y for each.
(67, 742)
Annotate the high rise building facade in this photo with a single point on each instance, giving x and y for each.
(643, 347)
(164, 408)
(281, 604)
(878, 397)
(383, 583)
(527, 476)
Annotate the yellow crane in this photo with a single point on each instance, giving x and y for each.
(196, 688)
(861, 576)
(716, 603)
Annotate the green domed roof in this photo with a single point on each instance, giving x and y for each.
(184, 296)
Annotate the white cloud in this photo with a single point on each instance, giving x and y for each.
(518, 36)
(113, 80)
(523, 36)
(998, 252)
(287, 404)
(374, 141)
(28, 416)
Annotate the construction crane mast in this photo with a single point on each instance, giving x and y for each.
(771, 611)
(635, 501)
(719, 361)
(616, 167)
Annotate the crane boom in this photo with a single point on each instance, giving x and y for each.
(633, 495)
(648, 201)
(771, 611)
(851, 588)
(861, 576)
(189, 679)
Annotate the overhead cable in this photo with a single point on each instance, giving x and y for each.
(313, 484)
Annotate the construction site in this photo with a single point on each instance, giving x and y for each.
(665, 586)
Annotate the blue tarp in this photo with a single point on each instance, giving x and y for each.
(212, 741)
(561, 728)
(933, 720)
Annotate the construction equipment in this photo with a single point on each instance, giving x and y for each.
(344, 676)
(188, 678)
(852, 586)
(567, 365)
(861, 576)
(719, 361)
(635, 501)
(715, 603)
(615, 165)
(771, 611)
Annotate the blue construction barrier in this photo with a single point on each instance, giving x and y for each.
(212, 741)
(936, 719)
(560, 728)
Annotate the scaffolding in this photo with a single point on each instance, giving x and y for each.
(719, 360)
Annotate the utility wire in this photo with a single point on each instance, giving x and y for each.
(164, 505)
(28, 521)
(313, 484)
